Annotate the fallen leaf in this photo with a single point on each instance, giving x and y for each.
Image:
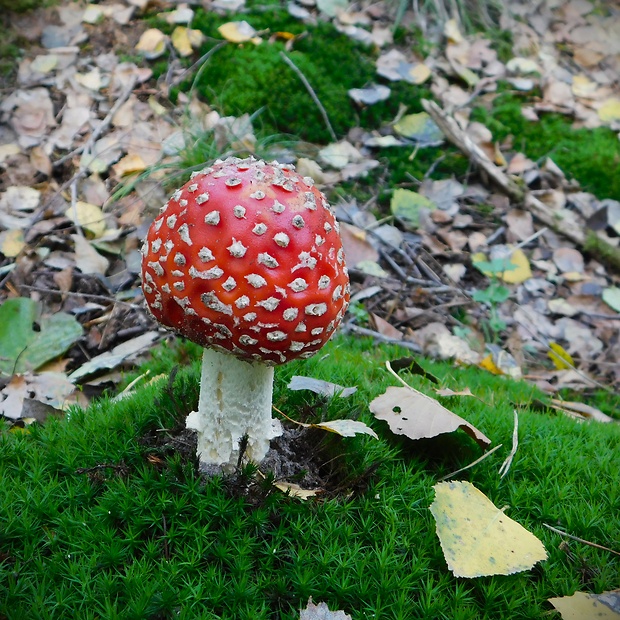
(239, 32)
(417, 416)
(89, 216)
(332, 7)
(339, 154)
(294, 490)
(568, 260)
(321, 612)
(581, 410)
(560, 357)
(35, 395)
(356, 246)
(370, 95)
(12, 242)
(185, 40)
(523, 66)
(21, 347)
(421, 128)
(385, 328)
(586, 606)
(451, 32)
(609, 112)
(611, 296)
(477, 538)
(116, 356)
(407, 206)
(318, 386)
(447, 392)
(346, 428)
(152, 43)
(87, 259)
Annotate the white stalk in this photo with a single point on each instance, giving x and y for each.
(235, 400)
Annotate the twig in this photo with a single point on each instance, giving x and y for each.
(562, 221)
(581, 540)
(102, 298)
(103, 125)
(363, 331)
(462, 141)
(481, 458)
(310, 90)
(503, 470)
(74, 211)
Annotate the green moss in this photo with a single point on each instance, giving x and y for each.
(145, 537)
(589, 155)
(249, 79)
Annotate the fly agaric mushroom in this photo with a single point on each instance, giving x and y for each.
(246, 260)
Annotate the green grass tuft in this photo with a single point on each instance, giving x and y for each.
(149, 538)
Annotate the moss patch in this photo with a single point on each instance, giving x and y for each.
(591, 156)
(247, 78)
(95, 523)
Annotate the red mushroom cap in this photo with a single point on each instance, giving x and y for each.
(246, 257)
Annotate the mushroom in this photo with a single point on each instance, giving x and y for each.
(246, 260)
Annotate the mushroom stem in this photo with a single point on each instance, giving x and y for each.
(235, 401)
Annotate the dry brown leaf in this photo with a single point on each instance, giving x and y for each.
(585, 411)
(417, 416)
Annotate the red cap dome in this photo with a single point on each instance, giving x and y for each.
(246, 257)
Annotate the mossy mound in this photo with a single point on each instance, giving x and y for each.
(252, 78)
(589, 155)
(101, 520)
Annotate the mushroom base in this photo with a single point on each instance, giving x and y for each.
(235, 401)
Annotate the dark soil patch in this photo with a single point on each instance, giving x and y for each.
(312, 459)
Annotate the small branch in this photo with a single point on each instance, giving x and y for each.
(310, 90)
(105, 123)
(463, 142)
(203, 59)
(581, 540)
(101, 298)
(363, 331)
(478, 460)
(562, 221)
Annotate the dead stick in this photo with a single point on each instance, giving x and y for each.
(463, 142)
(310, 90)
(556, 220)
(581, 540)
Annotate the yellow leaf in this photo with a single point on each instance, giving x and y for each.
(346, 428)
(560, 357)
(294, 490)
(90, 217)
(488, 364)
(477, 538)
(419, 73)
(180, 40)
(579, 606)
(152, 43)
(132, 162)
(610, 111)
(451, 32)
(12, 242)
(522, 272)
(582, 86)
(238, 32)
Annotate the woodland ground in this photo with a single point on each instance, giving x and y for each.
(104, 512)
